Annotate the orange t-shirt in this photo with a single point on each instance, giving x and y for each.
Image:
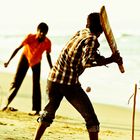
(33, 49)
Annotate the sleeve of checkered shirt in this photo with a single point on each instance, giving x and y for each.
(88, 55)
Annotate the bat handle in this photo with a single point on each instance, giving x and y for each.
(120, 65)
(121, 68)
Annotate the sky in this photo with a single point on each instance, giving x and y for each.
(65, 16)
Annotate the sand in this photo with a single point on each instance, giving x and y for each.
(68, 125)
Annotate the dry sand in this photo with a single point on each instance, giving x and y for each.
(68, 124)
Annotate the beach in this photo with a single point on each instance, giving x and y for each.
(110, 89)
(115, 121)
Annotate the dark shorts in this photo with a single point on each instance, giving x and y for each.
(76, 97)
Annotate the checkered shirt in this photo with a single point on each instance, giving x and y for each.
(73, 58)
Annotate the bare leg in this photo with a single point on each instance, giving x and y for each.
(40, 130)
(93, 135)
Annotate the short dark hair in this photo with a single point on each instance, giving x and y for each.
(43, 27)
(94, 24)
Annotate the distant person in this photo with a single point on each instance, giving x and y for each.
(80, 52)
(34, 46)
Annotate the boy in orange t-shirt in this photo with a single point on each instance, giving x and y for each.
(34, 46)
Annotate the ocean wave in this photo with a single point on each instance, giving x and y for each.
(117, 35)
(5, 36)
(130, 34)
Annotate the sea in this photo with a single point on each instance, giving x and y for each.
(108, 84)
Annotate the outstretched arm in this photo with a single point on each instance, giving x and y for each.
(113, 58)
(99, 60)
(49, 59)
(13, 54)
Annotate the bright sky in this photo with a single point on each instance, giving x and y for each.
(65, 16)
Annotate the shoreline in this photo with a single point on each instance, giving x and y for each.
(7, 77)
